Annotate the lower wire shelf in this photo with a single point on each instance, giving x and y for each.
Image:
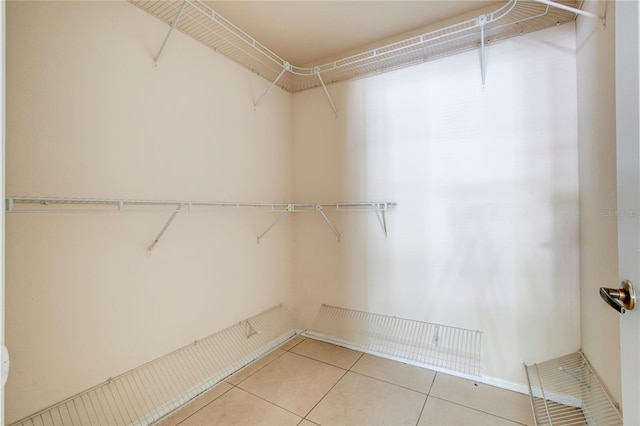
(148, 393)
(566, 391)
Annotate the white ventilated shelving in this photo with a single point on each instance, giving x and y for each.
(435, 346)
(148, 393)
(566, 391)
(513, 18)
(174, 207)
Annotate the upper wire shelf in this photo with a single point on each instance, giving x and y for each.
(199, 21)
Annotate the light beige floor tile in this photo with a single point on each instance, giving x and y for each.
(326, 352)
(409, 376)
(361, 400)
(291, 343)
(293, 382)
(499, 402)
(196, 404)
(438, 412)
(253, 367)
(306, 422)
(238, 407)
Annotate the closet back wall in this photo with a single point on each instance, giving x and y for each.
(486, 233)
(89, 116)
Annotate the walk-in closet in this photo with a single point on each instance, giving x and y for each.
(296, 212)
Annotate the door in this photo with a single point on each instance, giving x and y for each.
(628, 164)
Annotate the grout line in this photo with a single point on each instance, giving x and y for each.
(480, 411)
(325, 395)
(270, 402)
(390, 383)
(428, 396)
(433, 382)
(317, 360)
(422, 409)
(359, 358)
(204, 406)
(289, 350)
(186, 406)
(252, 364)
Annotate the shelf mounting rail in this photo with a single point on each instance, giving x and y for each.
(114, 205)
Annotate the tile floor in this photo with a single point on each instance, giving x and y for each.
(307, 382)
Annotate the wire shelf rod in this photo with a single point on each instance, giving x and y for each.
(570, 9)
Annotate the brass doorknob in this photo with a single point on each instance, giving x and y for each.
(621, 299)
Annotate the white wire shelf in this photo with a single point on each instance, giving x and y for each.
(566, 391)
(437, 346)
(200, 22)
(148, 393)
(114, 205)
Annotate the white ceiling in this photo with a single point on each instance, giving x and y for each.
(304, 32)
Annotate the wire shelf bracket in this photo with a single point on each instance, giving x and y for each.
(382, 219)
(275, 222)
(481, 21)
(319, 209)
(316, 70)
(164, 229)
(287, 67)
(173, 26)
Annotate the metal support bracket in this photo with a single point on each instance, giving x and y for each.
(316, 70)
(287, 67)
(482, 20)
(275, 222)
(381, 215)
(166, 226)
(173, 26)
(251, 331)
(318, 208)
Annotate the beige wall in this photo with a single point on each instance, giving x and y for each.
(486, 233)
(597, 159)
(89, 116)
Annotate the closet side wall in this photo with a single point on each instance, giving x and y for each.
(88, 115)
(598, 216)
(485, 236)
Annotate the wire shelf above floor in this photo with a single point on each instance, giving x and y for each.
(436, 346)
(150, 392)
(566, 391)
